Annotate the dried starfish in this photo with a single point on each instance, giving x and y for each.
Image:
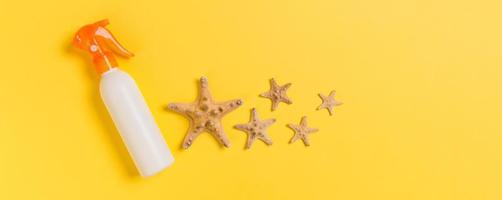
(205, 115)
(277, 94)
(302, 131)
(256, 129)
(329, 102)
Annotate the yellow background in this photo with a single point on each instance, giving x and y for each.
(421, 82)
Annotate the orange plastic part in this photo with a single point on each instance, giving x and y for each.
(101, 44)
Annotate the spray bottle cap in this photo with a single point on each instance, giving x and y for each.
(99, 41)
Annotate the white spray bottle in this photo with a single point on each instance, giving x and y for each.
(124, 101)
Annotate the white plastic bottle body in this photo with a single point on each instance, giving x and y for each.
(135, 123)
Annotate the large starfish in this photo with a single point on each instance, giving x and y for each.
(329, 102)
(256, 129)
(205, 115)
(277, 94)
(302, 131)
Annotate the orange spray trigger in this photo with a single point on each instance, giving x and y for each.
(101, 44)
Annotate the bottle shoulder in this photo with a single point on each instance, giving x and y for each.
(115, 77)
(114, 74)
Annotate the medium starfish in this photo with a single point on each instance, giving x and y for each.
(205, 115)
(302, 131)
(256, 129)
(277, 94)
(329, 102)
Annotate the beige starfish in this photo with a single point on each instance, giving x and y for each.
(205, 115)
(277, 94)
(302, 131)
(256, 129)
(329, 102)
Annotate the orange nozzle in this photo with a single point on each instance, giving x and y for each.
(99, 41)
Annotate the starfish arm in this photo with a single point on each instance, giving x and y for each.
(266, 95)
(286, 86)
(254, 115)
(322, 106)
(312, 130)
(295, 127)
(273, 84)
(219, 134)
(306, 141)
(265, 138)
(304, 122)
(204, 93)
(182, 108)
(330, 110)
(250, 141)
(275, 104)
(229, 106)
(242, 127)
(286, 99)
(190, 137)
(323, 97)
(294, 138)
(269, 122)
(332, 93)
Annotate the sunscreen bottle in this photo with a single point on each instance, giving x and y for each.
(124, 101)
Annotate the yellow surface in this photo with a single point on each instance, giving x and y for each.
(421, 82)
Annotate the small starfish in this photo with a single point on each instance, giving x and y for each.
(277, 94)
(256, 129)
(205, 115)
(302, 131)
(329, 102)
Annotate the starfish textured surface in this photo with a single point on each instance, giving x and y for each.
(302, 131)
(256, 129)
(277, 94)
(329, 102)
(205, 115)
